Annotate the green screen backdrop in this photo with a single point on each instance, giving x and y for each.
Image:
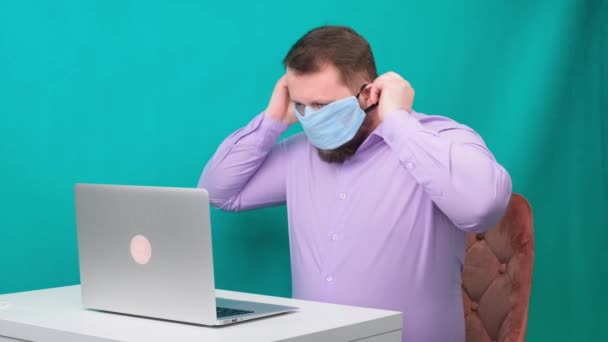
(142, 92)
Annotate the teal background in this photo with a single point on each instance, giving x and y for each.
(142, 92)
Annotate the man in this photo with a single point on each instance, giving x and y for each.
(379, 197)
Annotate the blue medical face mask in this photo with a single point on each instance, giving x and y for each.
(334, 124)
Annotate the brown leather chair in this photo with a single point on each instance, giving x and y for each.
(497, 277)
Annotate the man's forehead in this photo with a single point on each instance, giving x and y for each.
(321, 87)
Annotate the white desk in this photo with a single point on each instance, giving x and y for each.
(56, 315)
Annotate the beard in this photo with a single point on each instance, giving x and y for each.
(340, 154)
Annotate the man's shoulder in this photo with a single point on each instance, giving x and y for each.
(439, 123)
(297, 141)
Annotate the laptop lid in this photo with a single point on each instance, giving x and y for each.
(146, 251)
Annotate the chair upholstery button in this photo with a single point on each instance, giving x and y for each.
(479, 236)
(474, 306)
(502, 269)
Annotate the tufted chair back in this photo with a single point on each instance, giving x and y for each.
(497, 277)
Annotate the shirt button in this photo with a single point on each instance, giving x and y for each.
(334, 237)
(410, 165)
(329, 278)
(342, 196)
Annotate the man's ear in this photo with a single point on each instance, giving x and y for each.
(364, 97)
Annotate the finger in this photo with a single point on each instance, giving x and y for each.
(282, 82)
(290, 108)
(381, 81)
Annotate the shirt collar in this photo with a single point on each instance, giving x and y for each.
(372, 139)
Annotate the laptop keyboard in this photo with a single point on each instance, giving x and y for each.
(224, 312)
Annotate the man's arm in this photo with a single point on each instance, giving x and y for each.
(248, 169)
(452, 163)
(455, 168)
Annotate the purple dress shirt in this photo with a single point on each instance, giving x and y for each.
(386, 229)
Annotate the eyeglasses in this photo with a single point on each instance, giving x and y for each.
(300, 107)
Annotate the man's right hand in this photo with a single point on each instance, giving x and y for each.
(280, 107)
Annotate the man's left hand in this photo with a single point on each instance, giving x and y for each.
(392, 93)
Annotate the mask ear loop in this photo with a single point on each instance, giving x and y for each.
(370, 108)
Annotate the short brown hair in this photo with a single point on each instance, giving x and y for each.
(341, 46)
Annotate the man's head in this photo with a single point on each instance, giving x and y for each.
(328, 64)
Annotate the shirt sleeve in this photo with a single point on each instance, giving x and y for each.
(248, 169)
(454, 166)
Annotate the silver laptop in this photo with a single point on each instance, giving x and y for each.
(146, 251)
